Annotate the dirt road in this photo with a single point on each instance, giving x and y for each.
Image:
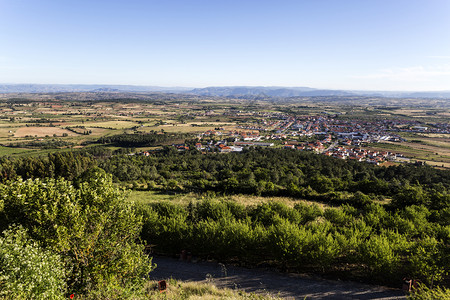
(289, 286)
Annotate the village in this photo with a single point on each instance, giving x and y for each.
(322, 134)
(374, 135)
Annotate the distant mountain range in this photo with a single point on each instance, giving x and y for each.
(228, 91)
(70, 88)
(221, 91)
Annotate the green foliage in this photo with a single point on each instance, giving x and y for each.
(46, 144)
(267, 213)
(308, 212)
(425, 293)
(264, 172)
(276, 172)
(410, 195)
(285, 239)
(359, 199)
(195, 290)
(27, 271)
(85, 221)
(379, 256)
(62, 164)
(338, 216)
(115, 291)
(427, 261)
(211, 209)
(370, 241)
(91, 226)
(140, 140)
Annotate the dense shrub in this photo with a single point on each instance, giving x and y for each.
(27, 271)
(371, 243)
(91, 227)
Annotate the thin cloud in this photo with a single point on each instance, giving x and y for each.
(417, 73)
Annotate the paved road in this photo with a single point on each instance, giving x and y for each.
(289, 286)
(334, 144)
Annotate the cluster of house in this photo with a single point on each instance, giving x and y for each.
(221, 146)
(338, 138)
(210, 146)
(334, 150)
(310, 125)
(277, 126)
(358, 154)
(337, 147)
(316, 146)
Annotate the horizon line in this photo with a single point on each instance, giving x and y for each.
(223, 86)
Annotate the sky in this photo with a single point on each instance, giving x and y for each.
(394, 45)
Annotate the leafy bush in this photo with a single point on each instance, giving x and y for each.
(379, 256)
(308, 212)
(371, 242)
(425, 293)
(91, 226)
(27, 271)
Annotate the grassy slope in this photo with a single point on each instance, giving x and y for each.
(193, 290)
(146, 197)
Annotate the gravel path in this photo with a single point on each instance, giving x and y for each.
(289, 286)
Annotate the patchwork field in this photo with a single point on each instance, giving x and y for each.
(7, 151)
(432, 155)
(6, 132)
(193, 127)
(27, 123)
(111, 124)
(42, 131)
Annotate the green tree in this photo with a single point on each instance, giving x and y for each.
(92, 227)
(410, 195)
(426, 261)
(27, 271)
(379, 256)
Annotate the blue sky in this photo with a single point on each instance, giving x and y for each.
(337, 44)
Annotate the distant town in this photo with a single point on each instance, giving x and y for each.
(385, 132)
(327, 135)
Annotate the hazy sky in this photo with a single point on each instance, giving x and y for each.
(339, 44)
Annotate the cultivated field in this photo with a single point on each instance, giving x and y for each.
(111, 124)
(78, 123)
(42, 132)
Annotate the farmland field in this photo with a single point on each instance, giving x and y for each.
(79, 123)
(42, 131)
(437, 156)
(111, 124)
(188, 128)
(7, 151)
